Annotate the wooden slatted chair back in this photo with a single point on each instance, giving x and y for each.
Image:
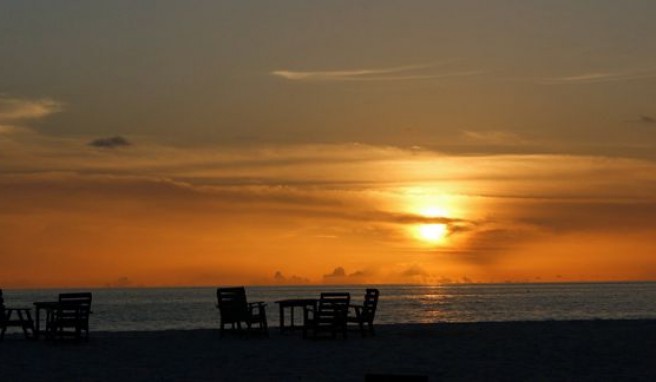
(333, 306)
(370, 304)
(232, 303)
(74, 308)
(70, 318)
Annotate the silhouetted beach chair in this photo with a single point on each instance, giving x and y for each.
(69, 318)
(328, 316)
(365, 313)
(23, 319)
(235, 310)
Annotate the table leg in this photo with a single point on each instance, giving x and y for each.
(282, 318)
(26, 323)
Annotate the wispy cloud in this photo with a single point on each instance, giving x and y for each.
(400, 73)
(493, 137)
(17, 109)
(599, 77)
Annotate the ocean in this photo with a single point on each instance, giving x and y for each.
(133, 309)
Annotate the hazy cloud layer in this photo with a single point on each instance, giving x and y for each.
(352, 201)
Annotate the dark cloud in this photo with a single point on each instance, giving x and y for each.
(340, 272)
(358, 274)
(413, 271)
(282, 279)
(110, 142)
(643, 120)
(599, 216)
(337, 272)
(121, 282)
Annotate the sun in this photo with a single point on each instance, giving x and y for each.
(433, 210)
(432, 233)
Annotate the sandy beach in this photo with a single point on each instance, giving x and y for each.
(521, 351)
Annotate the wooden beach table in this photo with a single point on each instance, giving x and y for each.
(291, 304)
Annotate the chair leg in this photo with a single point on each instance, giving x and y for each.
(362, 331)
(264, 327)
(263, 323)
(4, 325)
(26, 323)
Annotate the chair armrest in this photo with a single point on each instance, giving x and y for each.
(259, 305)
(356, 308)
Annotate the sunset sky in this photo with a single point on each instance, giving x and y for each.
(291, 142)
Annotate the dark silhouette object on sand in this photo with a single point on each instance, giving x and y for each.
(395, 378)
(23, 319)
(328, 317)
(235, 310)
(69, 318)
(365, 313)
